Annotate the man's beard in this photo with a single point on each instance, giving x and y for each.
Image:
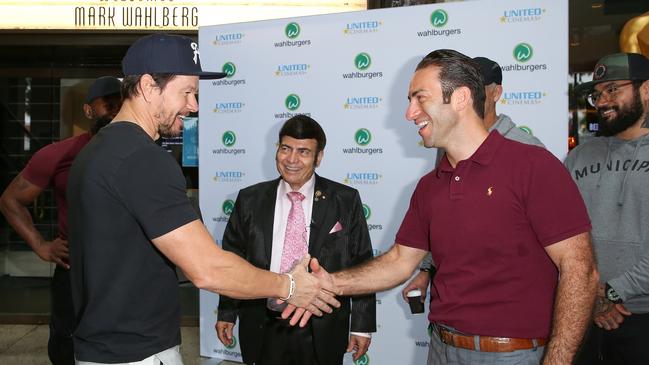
(627, 116)
(167, 131)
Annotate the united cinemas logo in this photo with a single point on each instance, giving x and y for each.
(228, 176)
(522, 15)
(522, 97)
(228, 107)
(228, 39)
(362, 178)
(294, 69)
(362, 27)
(362, 102)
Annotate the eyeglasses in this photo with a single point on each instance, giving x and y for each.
(609, 91)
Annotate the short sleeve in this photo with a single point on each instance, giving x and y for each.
(554, 205)
(152, 187)
(40, 169)
(414, 230)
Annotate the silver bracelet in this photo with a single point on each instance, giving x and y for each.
(291, 288)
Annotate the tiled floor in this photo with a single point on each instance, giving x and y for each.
(27, 345)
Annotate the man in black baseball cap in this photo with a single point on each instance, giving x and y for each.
(131, 222)
(608, 172)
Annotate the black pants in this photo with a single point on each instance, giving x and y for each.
(287, 345)
(627, 345)
(59, 346)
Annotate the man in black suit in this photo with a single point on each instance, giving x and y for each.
(337, 235)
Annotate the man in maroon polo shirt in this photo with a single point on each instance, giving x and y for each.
(49, 168)
(505, 224)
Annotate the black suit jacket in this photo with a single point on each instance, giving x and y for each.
(249, 234)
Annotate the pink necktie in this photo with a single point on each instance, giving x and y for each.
(295, 246)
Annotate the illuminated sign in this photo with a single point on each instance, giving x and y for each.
(155, 14)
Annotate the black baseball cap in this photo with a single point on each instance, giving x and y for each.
(617, 66)
(491, 71)
(103, 86)
(165, 53)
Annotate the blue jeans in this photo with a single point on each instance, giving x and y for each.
(440, 353)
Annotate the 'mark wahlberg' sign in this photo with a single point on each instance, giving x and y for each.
(154, 14)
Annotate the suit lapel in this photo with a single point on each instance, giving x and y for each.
(268, 212)
(321, 216)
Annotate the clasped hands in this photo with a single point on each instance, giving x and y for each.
(315, 292)
(608, 315)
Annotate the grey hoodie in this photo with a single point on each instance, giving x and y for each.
(613, 178)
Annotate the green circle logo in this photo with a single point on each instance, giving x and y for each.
(229, 69)
(362, 61)
(292, 102)
(292, 30)
(439, 18)
(229, 138)
(526, 129)
(227, 207)
(234, 339)
(523, 52)
(367, 212)
(363, 360)
(363, 137)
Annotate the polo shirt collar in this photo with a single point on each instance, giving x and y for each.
(482, 156)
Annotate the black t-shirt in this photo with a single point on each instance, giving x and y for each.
(124, 191)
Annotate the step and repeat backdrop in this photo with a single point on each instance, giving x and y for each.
(350, 72)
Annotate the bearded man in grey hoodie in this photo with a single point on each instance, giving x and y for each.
(492, 76)
(612, 173)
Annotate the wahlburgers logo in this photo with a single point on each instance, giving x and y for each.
(523, 52)
(227, 208)
(234, 339)
(362, 61)
(229, 139)
(363, 360)
(363, 137)
(229, 69)
(292, 30)
(367, 212)
(292, 102)
(439, 18)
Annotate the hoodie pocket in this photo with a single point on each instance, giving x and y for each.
(615, 256)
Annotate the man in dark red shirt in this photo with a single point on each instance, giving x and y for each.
(506, 226)
(47, 168)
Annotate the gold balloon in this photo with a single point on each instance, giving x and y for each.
(634, 37)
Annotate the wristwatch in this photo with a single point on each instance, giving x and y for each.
(612, 295)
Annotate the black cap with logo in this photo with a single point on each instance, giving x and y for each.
(103, 86)
(165, 53)
(491, 71)
(617, 66)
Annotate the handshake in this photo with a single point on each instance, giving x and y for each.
(311, 291)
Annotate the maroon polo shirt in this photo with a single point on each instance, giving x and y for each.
(49, 167)
(487, 223)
